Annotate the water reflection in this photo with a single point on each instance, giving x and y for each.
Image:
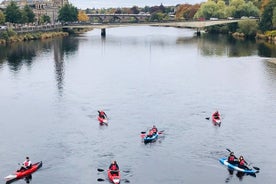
(22, 54)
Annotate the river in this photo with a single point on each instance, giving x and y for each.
(141, 76)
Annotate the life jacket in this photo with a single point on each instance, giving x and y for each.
(231, 158)
(154, 130)
(242, 162)
(114, 167)
(26, 163)
(151, 132)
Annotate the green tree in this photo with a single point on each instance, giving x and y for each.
(29, 13)
(267, 16)
(157, 17)
(13, 13)
(239, 8)
(208, 10)
(68, 13)
(274, 18)
(44, 19)
(249, 27)
(2, 17)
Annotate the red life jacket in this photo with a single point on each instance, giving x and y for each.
(242, 162)
(26, 163)
(231, 158)
(113, 167)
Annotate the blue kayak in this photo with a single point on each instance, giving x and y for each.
(224, 161)
(148, 139)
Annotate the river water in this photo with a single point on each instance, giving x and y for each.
(51, 91)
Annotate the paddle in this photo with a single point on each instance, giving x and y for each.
(256, 168)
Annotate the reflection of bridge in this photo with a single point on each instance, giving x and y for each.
(198, 25)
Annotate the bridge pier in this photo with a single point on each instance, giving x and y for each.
(103, 32)
(198, 32)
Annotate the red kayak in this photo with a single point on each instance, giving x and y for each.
(102, 121)
(216, 119)
(115, 177)
(22, 174)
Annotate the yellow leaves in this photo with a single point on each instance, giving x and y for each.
(82, 16)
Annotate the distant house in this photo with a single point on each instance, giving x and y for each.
(40, 7)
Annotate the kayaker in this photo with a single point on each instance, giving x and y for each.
(216, 115)
(150, 134)
(154, 129)
(27, 164)
(114, 168)
(102, 114)
(232, 159)
(242, 163)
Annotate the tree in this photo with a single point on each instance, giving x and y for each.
(13, 13)
(44, 19)
(68, 13)
(2, 17)
(134, 10)
(186, 11)
(208, 10)
(248, 27)
(82, 16)
(29, 13)
(267, 16)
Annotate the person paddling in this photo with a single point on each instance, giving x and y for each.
(102, 114)
(232, 159)
(154, 129)
(27, 164)
(114, 168)
(216, 115)
(242, 163)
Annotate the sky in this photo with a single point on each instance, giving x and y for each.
(83, 4)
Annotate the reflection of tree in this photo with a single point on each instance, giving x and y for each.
(19, 54)
(221, 45)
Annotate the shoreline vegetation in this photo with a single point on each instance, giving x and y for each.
(9, 39)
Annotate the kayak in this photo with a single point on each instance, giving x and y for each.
(235, 167)
(148, 139)
(114, 178)
(22, 174)
(102, 121)
(216, 120)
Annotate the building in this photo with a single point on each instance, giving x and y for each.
(40, 7)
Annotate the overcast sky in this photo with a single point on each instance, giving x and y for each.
(83, 4)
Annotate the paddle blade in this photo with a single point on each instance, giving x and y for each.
(228, 149)
(100, 170)
(256, 168)
(143, 132)
(161, 132)
(100, 179)
(207, 118)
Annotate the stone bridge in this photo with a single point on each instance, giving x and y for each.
(113, 18)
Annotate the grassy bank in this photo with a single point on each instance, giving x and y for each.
(10, 36)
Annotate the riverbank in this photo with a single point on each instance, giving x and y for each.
(12, 38)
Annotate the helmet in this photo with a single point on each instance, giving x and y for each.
(241, 157)
(27, 158)
(232, 153)
(154, 126)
